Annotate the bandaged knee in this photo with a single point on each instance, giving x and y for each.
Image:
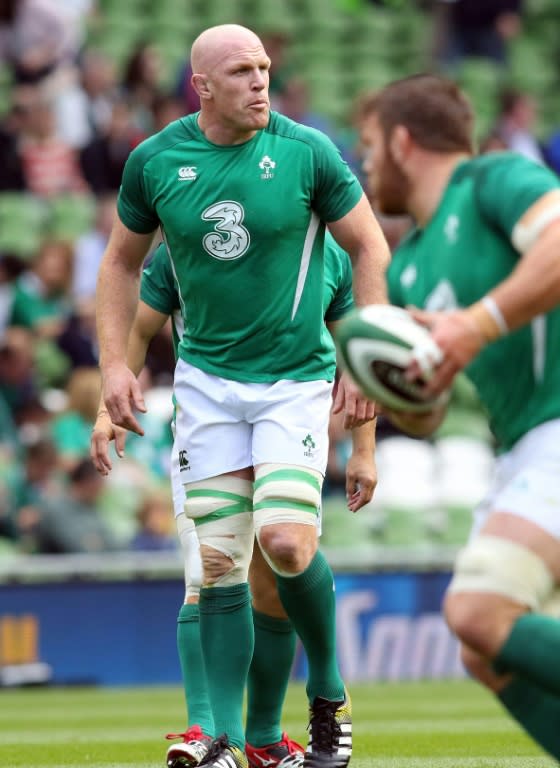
(221, 509)
(191, 554)
(285, 494)
(496, 565)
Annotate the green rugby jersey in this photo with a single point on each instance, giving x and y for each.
(245, 227)
(459, 256)
(158, 287)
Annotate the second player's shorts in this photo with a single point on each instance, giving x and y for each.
(527, 481)
(224, 425)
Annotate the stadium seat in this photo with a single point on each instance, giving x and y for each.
(22, 223)
(71, 215)
(406, 496)
(464, 471)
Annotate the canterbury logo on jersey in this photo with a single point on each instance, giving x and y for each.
(187, 173)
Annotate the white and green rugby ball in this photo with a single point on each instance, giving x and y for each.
(377, 344)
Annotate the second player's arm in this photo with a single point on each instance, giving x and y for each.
(147, 323)
(361, 471)
(117, 302)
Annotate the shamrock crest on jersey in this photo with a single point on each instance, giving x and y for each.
(267, 165)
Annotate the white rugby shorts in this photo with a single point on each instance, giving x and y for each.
(527, 481)
(224, 425)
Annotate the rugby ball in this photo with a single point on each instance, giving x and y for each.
(377, 344)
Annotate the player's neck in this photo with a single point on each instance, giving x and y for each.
(222, 135)
(430, 184)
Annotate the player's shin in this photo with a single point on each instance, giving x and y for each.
(221, 509)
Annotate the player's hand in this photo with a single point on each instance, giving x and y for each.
(103, 432)
(361, 480)
(122, 396)
(459, 338)
(358, 410)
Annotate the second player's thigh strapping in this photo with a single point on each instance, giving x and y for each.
(514, 549)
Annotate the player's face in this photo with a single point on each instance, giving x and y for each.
(387, 185)
(240, 89)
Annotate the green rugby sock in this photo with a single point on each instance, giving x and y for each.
(310, 603)
(536, 710)
(227, 637)
(269, 674)
(532, 650)
(192, 669)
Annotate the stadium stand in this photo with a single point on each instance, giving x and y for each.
(340, 49)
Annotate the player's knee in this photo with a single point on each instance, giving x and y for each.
(468, 619)
(473, 662)
(221, 509)
(288, 548)
(286, 506)
(495, 580)
(219, 567)
(480, 669)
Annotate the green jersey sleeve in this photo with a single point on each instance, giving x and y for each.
(158, 288)
(525, 181)
(337, 190)
(134, 205)
(337, 264)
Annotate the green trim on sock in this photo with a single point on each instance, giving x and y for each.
(269, 675)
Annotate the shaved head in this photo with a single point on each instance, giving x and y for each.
(217, 43)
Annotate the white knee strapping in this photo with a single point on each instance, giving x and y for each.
(493, 564)
(191, 553)
(221, 508)
(286, 494)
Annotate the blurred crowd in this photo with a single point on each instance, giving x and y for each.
(70, 119)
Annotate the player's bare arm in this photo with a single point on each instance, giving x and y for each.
(147, 323)
(361, 237)
(361, 471)
(117, 300)
(512, 303)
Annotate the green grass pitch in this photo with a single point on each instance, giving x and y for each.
(396, 725)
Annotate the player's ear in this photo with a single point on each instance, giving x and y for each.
(400, 142)
(200, 84)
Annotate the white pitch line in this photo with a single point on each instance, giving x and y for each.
(400, 762)
(452, 762)
(470, 725)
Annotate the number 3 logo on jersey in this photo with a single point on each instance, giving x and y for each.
(230, 239)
